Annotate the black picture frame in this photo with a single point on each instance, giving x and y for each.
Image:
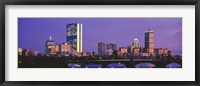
(98, 2)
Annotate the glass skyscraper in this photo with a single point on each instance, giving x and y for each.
(74, 36)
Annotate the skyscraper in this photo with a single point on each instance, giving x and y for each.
(136, 47)
(136, 43)
(149, 41)
(74, 36)
(101, 48)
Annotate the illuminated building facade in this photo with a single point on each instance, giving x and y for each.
(51, 48)
(20, 50)
(85, 53)
(130, 48)
(136, 47)
(136, 51)
(149, 41)
(161, 51)
(64, 48)
(119, 53)
(101, 48)
(123, 50)
(74, 36)
(110, 52)
(136, 43)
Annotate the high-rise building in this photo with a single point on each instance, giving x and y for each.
(136, 43)
(112, 47)
(149, 41)
(135, 47)
(101, 48)
(74, 36)
(51, 47)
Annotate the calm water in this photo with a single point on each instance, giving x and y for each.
(120, 65)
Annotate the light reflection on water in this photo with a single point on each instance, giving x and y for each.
(173, 65)
(145, 65)
(74, 65)
(93, 66)
(116, 65)
(120, 65)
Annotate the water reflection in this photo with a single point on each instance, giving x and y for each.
(93, 66)
(120, 65)
(74, 65)
(173, 65)
(145, 65)
(116, 65)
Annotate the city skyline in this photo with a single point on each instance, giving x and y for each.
(118, 31)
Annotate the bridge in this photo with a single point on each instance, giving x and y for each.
(120, 60)
(128, 62)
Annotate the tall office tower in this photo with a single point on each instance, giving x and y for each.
(101, 48)
(149, 41)
(51, 47)
(136, 43)
(74, 36)
(136, 47)
(112, 47)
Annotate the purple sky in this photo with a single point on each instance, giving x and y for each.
(33, 32)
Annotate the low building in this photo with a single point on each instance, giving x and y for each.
(161, 51)
(28, 52)
(123, 50)
(119, 54)
(145, 54)
(36, 53)
(85, 53)
(64, 48)
(94, 54)
(20, 50)
(136, 51)
(110, 52)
